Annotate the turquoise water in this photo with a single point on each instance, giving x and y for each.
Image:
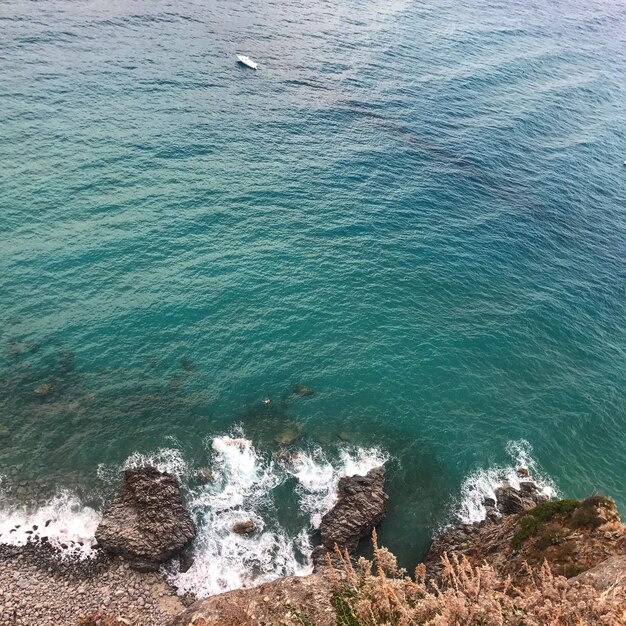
(416, 209)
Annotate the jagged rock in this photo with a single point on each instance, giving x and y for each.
(361, 506)
(290, 601)
(510, 500)
(146, 522)
(245, 527)
(185, 560)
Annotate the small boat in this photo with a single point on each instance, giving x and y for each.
(247, 61)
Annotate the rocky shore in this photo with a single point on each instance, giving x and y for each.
(38, 589)
(147, 524)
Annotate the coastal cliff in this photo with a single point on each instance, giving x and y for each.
(531, 561)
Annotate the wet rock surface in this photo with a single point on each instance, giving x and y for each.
(37, 587)
(361, 506)
(147, 522)
(245, 527)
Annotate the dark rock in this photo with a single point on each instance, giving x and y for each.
(361, 506)
(522, 472)
(146, 522)
(185, 560)
(509, 501)
(243, 528)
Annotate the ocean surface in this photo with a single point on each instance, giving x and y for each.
(416, 209)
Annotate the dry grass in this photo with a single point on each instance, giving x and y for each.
(379, 593)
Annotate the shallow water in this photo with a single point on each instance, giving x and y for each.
(415, 209)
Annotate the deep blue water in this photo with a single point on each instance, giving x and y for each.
(416, 208)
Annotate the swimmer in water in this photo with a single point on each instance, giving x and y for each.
(266, 401)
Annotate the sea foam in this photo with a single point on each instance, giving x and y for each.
(67, 524)
(482, 483)
(241, 490)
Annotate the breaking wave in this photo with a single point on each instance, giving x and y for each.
(241, 489)
(239, 483)
(64, 522)
(482, 483)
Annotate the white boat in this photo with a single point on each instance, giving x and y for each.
(247, 61)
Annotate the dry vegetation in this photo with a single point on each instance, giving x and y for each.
(378, 592)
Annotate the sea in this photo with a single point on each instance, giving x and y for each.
(402, 240)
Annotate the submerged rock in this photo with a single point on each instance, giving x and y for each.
(245, 527)
(205, 474)
(42, 390)
(146, 522)
(361, 506)
(187, 364)
(289, 435)
(303, 390)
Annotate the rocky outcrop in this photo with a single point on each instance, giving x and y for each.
(608, 575)
(290, 601)
(146, 523)
(573, 536)
(361, 506)
(245, 527)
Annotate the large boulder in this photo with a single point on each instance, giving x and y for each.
(608, 576)
(361, 506)
(146, 522)
(510, 500)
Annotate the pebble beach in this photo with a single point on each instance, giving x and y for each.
(36, 589)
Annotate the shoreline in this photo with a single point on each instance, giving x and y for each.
(38, 586)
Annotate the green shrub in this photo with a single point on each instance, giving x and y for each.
(547, 511)
(543, 513)
(550, 535)
(586, 518)
(596, 501)
(341, 599)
